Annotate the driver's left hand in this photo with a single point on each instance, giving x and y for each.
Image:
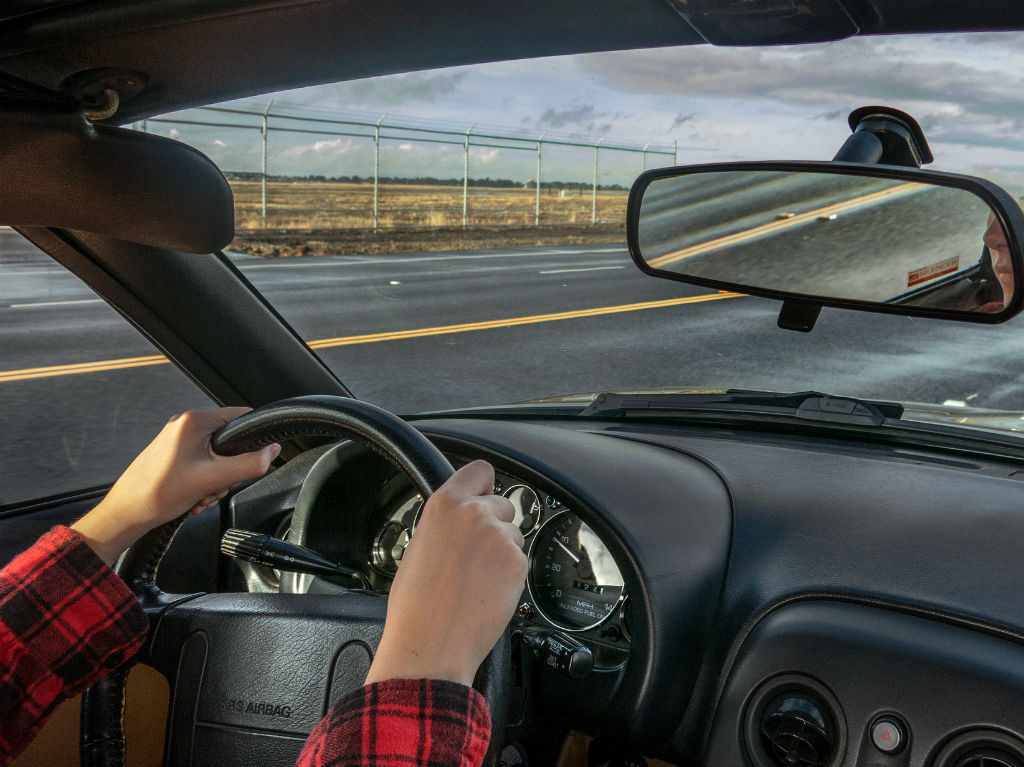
(177, 472)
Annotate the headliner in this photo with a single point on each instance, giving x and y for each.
(197, 52)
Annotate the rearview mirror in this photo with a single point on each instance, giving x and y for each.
(872, 237)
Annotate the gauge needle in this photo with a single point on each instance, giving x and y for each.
(575, 559)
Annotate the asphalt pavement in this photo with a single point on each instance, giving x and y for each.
(436, 330)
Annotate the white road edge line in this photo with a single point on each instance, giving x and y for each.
(583, 269)
(56, 303)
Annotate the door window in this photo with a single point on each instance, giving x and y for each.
(81, 391)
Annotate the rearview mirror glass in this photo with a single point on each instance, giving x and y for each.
(876, 237)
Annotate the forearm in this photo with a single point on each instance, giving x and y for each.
(105, 534)
(66, 620)
(400, 722)
(468, 548)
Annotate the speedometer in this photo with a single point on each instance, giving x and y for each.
(574, 581)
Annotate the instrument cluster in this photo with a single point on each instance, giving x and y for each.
(574, 584)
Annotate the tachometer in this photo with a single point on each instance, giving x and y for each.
(574, 581)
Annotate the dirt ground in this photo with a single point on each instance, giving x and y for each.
(272, 244)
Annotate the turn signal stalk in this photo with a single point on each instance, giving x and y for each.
(281, 555)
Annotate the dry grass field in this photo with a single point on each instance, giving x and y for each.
(277, 244)
(308, 206)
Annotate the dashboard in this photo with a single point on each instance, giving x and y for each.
(746, 596)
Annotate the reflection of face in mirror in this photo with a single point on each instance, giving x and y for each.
(995, 241)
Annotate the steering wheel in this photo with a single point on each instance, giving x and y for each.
(252, 674)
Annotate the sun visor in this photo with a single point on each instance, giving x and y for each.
(59, 170)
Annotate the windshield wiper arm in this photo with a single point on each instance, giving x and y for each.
(809, 405)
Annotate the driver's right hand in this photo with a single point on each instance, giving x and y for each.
(458, 586)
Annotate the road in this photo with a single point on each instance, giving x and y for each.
(489, 327)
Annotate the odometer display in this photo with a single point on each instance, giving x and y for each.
(574, 580)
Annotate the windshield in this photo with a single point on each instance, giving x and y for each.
(455, 238)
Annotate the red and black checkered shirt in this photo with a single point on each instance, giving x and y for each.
(66, 619)
(402, 723)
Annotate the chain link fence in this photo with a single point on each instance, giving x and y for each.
(265, 151)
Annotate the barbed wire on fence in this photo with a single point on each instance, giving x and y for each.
(293, 119)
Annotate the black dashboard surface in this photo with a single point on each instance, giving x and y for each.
(738, 548)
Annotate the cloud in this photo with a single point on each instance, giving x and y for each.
(218, 142)
(404, 89)
(681, 119)
(324, 148)
(578, 119)
(830, 78)
(486, 156)
(1012, 41)
(573, 116)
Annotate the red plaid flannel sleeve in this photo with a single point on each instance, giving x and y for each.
(402, 723)
(66, 620)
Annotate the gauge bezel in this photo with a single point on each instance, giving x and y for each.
(533, 596)
(543, 506)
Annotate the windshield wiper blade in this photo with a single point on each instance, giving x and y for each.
(808, 405)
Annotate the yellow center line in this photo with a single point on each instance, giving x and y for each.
(774, 226)
(372, 338)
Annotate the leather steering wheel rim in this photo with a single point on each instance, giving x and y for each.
(102, 741)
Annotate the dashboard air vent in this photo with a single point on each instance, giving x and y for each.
(797, 731)
(989, 757)
(982, 748)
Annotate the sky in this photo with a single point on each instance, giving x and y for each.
(716, 104)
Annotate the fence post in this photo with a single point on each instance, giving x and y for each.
(593, 195)
(376, 172)
(263, 174)
(675, 149)
(536, 211)
(643, 162)
(465, 181)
